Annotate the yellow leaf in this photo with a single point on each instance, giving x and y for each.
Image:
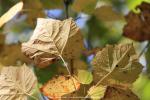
(11, 13)
(60, 86)
(97, 93)
(84, 77)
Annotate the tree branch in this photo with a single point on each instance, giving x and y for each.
(67, 3)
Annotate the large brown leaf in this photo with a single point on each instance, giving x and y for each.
(12, 55)
(119, 62)
(112, 92)
(53, 39)
(33, 9)
(16, 83)
(138, 25)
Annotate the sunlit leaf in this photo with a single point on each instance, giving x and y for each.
(11, 13)
(84, 76)
(60, 86)
(133, 3)
(16, 83)
(97, 93)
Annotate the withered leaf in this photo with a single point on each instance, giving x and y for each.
(12, 55)
(112, 92)
(138, 25)
(117, 93)
(120, 61)
(59, 86)
(16, 83)
(11, 13)
(87, 6)
(53, 39)
(33, 9)
(108, 14)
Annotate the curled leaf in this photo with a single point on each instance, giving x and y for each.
(118, 62)
(11, 13)
(16, 83)
(53, 39)
(59, 86)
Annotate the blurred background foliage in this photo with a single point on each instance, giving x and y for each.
(101, 23)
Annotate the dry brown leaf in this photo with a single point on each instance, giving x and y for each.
(53, 39)
(16, 83)
(138, 25)
(117, 93)
(106, 13)
(112, 92)
(92, 52)
(74, 65)
(12, 55)
(60, 86)
(11, 13)
(34, 9)
(87, 6)
(119, 61)
(2, 39)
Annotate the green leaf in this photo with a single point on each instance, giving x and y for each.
(45, 74)
(85, 77)
(97, 93)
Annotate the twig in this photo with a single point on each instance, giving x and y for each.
(67, 3)
(147, 45)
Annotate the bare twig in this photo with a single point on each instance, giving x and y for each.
(67, 3)
(142, 52)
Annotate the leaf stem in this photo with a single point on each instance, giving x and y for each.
(147, 45)
(100, 81)
(66, 65)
